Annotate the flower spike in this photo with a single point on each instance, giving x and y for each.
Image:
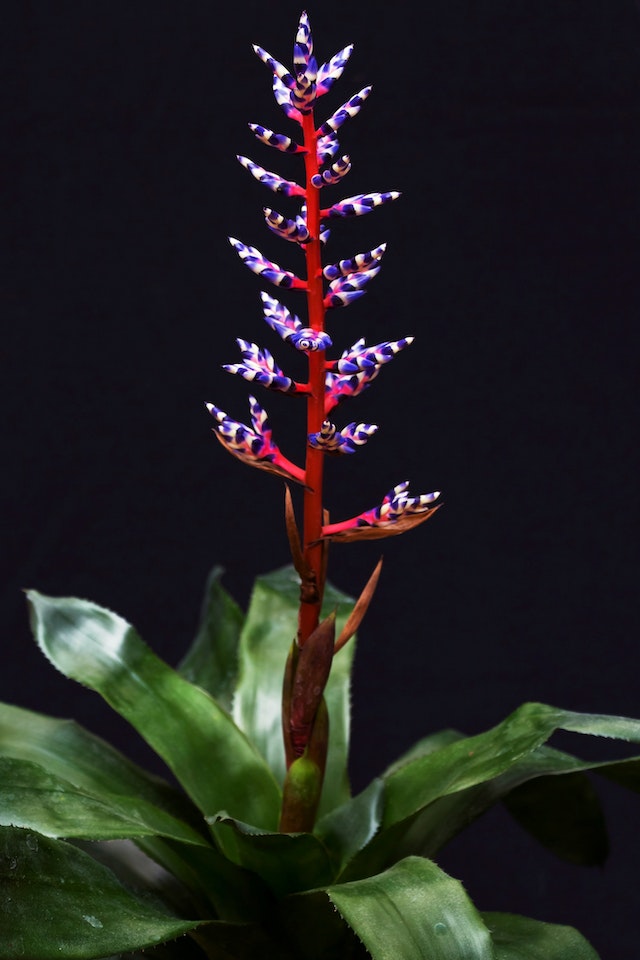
(253, 445)
(397, 513)
(289, 327)
(349, 109)
(347, 440)
(277, 140)
(259, 366)
(328, 380)
(253, 259)
(272, 180)
(359, 205)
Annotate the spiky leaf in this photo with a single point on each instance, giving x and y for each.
(213, 760)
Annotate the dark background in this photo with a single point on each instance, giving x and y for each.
(513, 130)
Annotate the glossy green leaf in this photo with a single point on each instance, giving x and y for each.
(347, 829)
(32, 797)
(478, 759)
(212, 759)
(212, 660)
(519, 938)
(67, 750)
(563, 793)
(270, 627)
(137, 870)
(58, 902)
(415, 911)
(431, 798)
(287, 862)
(424, 747)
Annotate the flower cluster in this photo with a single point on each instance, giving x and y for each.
(297, 92)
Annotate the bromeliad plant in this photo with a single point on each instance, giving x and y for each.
(260, 849)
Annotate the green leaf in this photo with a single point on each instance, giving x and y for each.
(415, 911)
(432, 797)
(236, 894)
(212, 660)
(58, 902)
(563, 794)
(424, 747)
(287, 862)
(67, 750)
(347, 829)
(564, 814)
(212, 759)
(32, 797)
(519, 938)
(271, 625)
(478, 759)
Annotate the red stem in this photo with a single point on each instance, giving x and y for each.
(312, 523)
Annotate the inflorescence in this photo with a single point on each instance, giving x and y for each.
(298, 92)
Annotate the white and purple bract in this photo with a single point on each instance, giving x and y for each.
(290, 328)
(353, 372)
(347, 440)
(253, 445)
(259, 366)
(398, 512)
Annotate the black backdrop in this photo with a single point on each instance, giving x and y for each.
(512, 129)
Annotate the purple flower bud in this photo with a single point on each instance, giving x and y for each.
(354, 371)
(304, 92)
(303, 59)
(359, 205)
(347, 440)
(294, 230)
(283, 98)
(277, 140)
(360, 262)
(272, 180)
(253, 259)
(349, 109)
(259, 366)
(397, 512)
(326, 148)
(332, 70)
(334, 174)
(289, 327)
(253, 445)
(279, 70)
(360, 357)
(344, 290)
